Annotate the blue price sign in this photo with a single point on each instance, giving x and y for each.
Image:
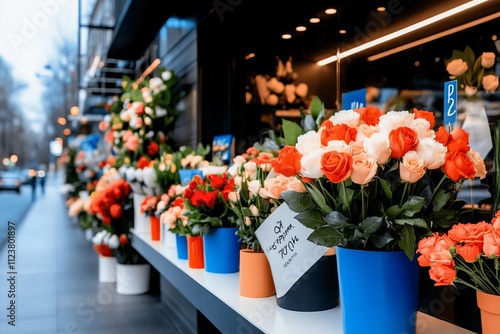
(354, 99)
(450, 102)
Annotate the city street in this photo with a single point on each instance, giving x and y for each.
(13, 207)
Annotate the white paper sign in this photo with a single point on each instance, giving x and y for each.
(284, 241)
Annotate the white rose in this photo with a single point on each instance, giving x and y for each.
(149, 176)
(308, 142)
(395, 119)
(234, 196)
(147, 121)
(488, 59)
(365, 131)
(160, 112)
(311, 163)
(130, 174)
(155, 83)
(166, 75)
(339, 146)
(457, 67)
(432, 153)
(125, 116)
(148, 111)
(233, 170)
(139, 176)
(113, 242)
(253, 187)
(250, 169)
(348, 117)
(422, 127)
(490, 83)
(213, 170)
(248, 222)
(239, 160)
(379, 146)
(254, 210)
(98, 237)
(238, 181)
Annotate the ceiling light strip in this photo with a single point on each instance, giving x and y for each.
(402, 32)
(434, 37)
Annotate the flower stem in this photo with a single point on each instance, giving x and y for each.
(345, 204)
(363, 209)
(437, 188)
(403, 195)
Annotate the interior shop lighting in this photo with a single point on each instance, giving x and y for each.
(330, 11)
(433, 37)
(249, 56)
(380, 9)
(147, 72)
(314, 20)
(342, 31)
(402, 32)
(286, 36)
(301, 28)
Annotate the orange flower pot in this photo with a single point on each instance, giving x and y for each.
(195, 252)
(155, 228)
(256, 279)
(490, 312)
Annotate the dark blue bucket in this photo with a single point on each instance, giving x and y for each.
(378, 291)
(222, 250)
(181, 241)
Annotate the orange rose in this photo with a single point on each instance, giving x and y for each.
(337, 166)
(402, 140)
(458, 166)
(115, 211)
(337, 132)
(434, 243)
(491, 244)
(442, 136)
(288, 161)
(469, 252)
(427, 115)
(109, 137)
(459, 140)
(369, 115)
(470, 233)
(496, 221)
(443, 275)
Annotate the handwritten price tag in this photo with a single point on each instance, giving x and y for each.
(290, 254)
(450, 102)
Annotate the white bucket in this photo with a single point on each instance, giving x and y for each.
(141, 221)
(167, 237)
(107, 269)
(132, 279)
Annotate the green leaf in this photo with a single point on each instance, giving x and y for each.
(291, 131)
(318, 198)
(311, 219)
(380, 241)
(326, 236)
(297, 202)
(408, 241)
(440, 199)
(335, 218)
(393, 211)
(412, 221)
(371, 225)
(413, 206)
(136, 95)
(386, 187)
(445, 218)
(316, 107)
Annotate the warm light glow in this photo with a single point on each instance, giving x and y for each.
(286, 36)
(494, 37)
(61, 120)
(380, 9)
(249, 56)
(74, 111)
(32, 172)
(433, 37)
(84, 120)
(67, 132)
(402, 32)
(6, 161)
(301, 28)
(417, 63)
(314, 20)
(40, 173)
(14, 158)
(342, 31)
(59, 139)
(147, 72)
(330, 11)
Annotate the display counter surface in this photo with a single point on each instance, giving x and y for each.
(217, 297)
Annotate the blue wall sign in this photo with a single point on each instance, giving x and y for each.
(450, 102)
(354, 99)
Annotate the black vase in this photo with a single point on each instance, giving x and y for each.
(316, 290)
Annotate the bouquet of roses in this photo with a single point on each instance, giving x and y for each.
(174, 218)
(148, 205)
(467, 254)
(378, 181)
(206, 201)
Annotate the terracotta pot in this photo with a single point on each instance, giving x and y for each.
(155, 228)
(490, 312)
(195, 252)
(256, 279)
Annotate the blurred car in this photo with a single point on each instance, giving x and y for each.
(10, 181)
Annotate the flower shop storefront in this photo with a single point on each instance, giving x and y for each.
(278, 186)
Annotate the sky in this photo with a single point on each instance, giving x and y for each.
(28, 31)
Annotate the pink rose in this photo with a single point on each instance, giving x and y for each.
(364, 167)
(478, 163)
(132, 143)
(296, 185)
(412, 168)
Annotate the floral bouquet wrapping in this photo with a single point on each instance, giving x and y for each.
(378, 182)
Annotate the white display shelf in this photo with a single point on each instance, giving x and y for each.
(217, 297)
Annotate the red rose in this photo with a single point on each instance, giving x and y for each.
(210, 198)
(153, 149)
(123, 240)
(427, 115)
(142, 162)
(402, 140)
(337, 132)
(458, 166)
(442, 136)
(115, 211)
(178, 202)
(188, 193)
(217, 181)
(198, 198)
(369, 115)
(337, 166)
(459, 141)
(288, 161)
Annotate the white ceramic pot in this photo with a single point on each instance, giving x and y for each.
(107, 269)
(167, 237)
(141, 221)
(132, 279)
